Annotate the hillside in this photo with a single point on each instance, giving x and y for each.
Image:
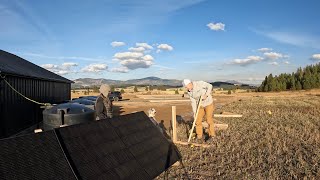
(82, 82)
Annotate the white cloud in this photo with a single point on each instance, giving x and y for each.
(120, 69)
(137, 57)
(69, 64)
(265, 49)
(148, 58)
(128, 55)
(65, 68)
(315, 57)
(165, 47)
(144, 45)
(117, 44)
(274, 55)
(62, 72)
(216, 26)
(135, 64)
(137, 49)
(246, 61)
(286, 62)
(274, 63)
(49, 66)
(95, 68)
(255, 58)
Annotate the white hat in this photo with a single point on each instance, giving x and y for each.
(104, 89)
(186, 82)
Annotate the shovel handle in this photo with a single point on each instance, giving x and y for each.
(195, 118)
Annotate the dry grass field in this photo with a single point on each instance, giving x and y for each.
(283, 144)
(278, 136)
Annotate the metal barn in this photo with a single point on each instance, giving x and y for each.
(36, 83)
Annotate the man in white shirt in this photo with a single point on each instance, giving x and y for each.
(197, 90)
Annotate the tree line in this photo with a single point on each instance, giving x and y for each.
(304, 78)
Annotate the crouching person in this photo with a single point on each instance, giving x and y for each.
(152, 114)
(103, 105)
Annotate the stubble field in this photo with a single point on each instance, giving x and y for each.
(277, 138)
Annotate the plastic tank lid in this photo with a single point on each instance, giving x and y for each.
(83, 101)
(92, 98)
(86, 97)
(68, 108)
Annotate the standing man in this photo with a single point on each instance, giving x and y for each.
(197, 90)
(103, 105)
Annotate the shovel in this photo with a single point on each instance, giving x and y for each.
(195, 118)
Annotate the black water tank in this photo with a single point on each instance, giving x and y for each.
(66, 114)
(91, 98)
(86, 102)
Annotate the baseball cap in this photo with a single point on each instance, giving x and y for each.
(186, 82)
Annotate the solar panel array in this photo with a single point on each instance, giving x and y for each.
(125, 147)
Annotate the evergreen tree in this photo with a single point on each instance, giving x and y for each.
(317, 79)
(265, 87)
(306, 78)
(298, 85)
(135, 89)
(292, 83)
(270, 83)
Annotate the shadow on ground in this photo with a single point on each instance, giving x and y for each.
(117, 110)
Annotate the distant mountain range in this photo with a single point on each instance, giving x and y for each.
(144, 81)
(153, 81)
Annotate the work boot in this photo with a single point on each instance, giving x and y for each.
(209, 139)
(200, 140)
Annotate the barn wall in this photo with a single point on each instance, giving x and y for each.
(18, 113)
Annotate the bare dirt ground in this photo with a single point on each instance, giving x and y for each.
(133, 102)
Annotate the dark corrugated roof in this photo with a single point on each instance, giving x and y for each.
(14, 65)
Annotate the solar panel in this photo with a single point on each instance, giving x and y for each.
(35, 156)
(125, 147)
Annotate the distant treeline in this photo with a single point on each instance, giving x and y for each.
(306, 78)
(230, 86)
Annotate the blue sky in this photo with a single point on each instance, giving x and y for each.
(197, 39)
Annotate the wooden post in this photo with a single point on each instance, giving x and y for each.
(174, 124)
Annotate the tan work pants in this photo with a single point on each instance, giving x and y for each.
(208, 111)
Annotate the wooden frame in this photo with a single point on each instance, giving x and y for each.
(217, 126)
